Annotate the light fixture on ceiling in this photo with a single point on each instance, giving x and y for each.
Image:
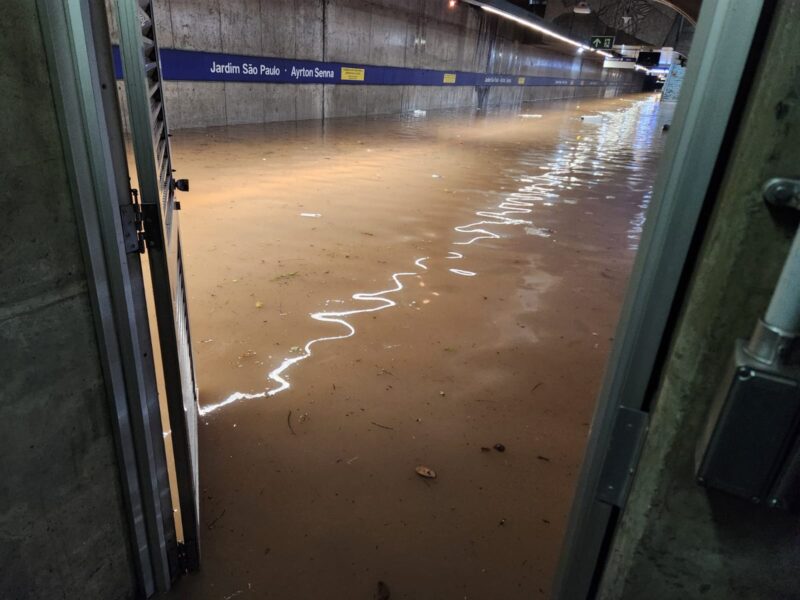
(582, 8)
(539, 28)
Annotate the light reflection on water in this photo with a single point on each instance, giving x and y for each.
(618, 152)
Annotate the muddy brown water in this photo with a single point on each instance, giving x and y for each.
(371, 296)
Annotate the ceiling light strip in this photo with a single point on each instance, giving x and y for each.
(540, 29)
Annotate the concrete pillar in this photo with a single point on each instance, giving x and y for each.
(62, 528)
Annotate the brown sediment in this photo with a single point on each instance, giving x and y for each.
(433, 287)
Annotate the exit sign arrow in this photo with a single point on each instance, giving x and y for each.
(605, 42)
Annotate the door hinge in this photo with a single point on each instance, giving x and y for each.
(627, 439)
(132, 225)
(183, 558)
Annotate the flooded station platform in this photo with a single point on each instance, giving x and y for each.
(369, 297)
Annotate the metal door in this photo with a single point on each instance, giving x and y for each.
(705, 114)
(159, 208)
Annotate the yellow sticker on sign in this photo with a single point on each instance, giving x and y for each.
(521, 81)
(449, 78)
(352, 74)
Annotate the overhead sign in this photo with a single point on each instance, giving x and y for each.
(619, 63)
(601, 42)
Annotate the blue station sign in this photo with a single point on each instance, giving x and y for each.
(189, 65)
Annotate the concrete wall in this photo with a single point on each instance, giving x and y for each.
(400, 33)
(677, 539)
(62, 531)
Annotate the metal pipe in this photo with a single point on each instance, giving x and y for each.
(784, 308)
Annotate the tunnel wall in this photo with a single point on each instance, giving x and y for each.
(397, 33)
(62, 530)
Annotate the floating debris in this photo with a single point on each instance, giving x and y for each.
(544, 232)
(499, 447)
(382, 426)
(383, 592)
(311, 215)
(426, 472)
(285, 277)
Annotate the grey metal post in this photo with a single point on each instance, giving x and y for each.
(784, 308)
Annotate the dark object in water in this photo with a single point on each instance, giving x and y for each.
(383, 592)
(500, 447)
(665, 127)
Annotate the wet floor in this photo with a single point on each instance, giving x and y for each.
(371, 296)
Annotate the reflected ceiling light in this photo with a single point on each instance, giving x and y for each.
(452, 3)
(582, 8)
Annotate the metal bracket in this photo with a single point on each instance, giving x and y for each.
(183, 558)
(782, 192)
(150, 224)
(627, 439)
(131, 216)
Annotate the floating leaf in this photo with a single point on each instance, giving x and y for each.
(426, 472)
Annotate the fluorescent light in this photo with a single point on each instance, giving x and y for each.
(533, 26)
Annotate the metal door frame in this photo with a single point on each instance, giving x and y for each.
(152, 153)
(706, 114)
(75, 34)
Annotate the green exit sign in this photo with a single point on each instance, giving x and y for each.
(601, 42)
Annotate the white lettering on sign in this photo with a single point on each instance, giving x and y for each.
(265, 70)
(245, 68)
(316, 72)
(226, 68)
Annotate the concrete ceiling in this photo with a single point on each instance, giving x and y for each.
(688, 8)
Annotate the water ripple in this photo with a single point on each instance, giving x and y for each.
(619, 151)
